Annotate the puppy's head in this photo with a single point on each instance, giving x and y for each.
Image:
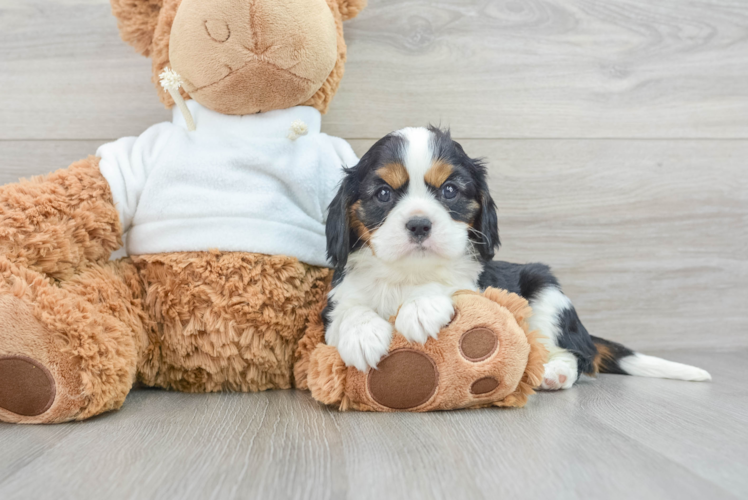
(414, 194)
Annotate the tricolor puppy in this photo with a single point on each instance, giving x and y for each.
(412, 223)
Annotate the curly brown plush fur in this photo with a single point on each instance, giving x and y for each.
(313, 336)
(58, 223)
(225, 321)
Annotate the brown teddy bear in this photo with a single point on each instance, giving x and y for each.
(224, 224)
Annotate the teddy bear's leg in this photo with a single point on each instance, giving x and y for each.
(69, 321)
(68, 350)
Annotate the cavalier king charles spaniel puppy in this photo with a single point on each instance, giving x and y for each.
(412, 223)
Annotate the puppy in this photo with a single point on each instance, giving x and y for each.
(412, 223)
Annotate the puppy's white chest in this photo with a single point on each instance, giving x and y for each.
(388, 299)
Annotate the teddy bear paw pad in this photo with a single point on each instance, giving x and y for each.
(478, 344)
(484, 385)
(404, 379)
(26, 386)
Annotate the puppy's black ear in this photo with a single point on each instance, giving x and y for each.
(487, 220)
(337, 229)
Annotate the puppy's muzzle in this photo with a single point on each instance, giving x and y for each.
(419, 228)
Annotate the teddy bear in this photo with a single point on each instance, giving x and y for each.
(221, 212)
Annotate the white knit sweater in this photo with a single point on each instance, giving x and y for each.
(237, 183)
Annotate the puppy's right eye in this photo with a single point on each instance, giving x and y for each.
(384, 194)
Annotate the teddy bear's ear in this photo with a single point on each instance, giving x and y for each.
(136, 20)
(350, 8)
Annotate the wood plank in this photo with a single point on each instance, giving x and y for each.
(615, 437)
(66, 74)
(638, 419)
(649, 238)
(219, 446)
(547, 68)
(28, 158)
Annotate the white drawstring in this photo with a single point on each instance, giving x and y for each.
(171, 81)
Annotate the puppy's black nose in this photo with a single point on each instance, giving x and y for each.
(419, 228)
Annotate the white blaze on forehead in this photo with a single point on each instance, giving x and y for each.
(418, 158)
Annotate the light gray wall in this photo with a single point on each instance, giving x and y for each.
(616, 132)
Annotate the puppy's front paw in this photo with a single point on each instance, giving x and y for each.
(423, 317)
(558, 374)
(364, 340)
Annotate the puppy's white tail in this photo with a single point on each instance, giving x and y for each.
(642, 365)
(615, 358)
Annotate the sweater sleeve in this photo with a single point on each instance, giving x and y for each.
(343, 157)
(126, 164)
(344, 151)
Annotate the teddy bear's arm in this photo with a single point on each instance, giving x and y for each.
(55, 224)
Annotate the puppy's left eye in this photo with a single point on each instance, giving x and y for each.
(449, 191)
(384, 194)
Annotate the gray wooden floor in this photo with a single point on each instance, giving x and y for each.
(616, 134)
(614, 437)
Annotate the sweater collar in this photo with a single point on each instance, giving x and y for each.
(270, 124)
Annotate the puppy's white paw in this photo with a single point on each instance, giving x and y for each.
(559, 374)
(364, 340)
(423, 317)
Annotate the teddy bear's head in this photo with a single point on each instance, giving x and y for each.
(241, 57)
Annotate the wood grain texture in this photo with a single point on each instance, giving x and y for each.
(614, 437)
(29, 158)
(490, 68)
(548, 68)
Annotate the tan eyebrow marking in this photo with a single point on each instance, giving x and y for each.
(438, 173)
(394, 174)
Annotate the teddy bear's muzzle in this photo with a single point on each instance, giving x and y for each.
(247, 89)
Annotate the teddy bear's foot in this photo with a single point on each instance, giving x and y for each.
(485, 357)
(67, 349)
(408, 377)
(38, 383)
